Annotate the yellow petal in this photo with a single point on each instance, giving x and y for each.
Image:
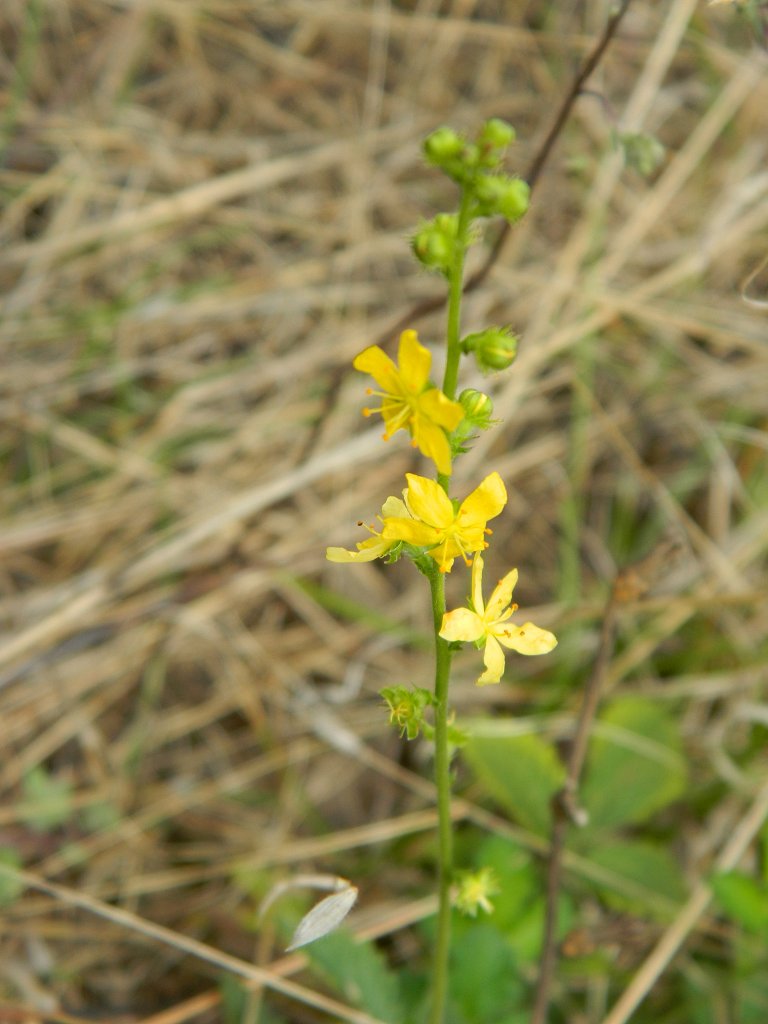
(493, 659)
(414, 362)
(432, 442)
(527, 639)
(484, 503)
(428, 501)
(376, 362)
(410, 530)
(445, 554)
(477, 585)
(394, 507)
(501, 597)
(367, 551)
(440, 409)
(462, 624)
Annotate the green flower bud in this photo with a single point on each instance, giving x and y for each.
(451, 152)
(478, 409)
(496, 134)
(435, 242)
(443, 145)
(501, 194)
(494, 348)
(515, 199)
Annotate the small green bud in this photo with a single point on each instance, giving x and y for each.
(451, 152)
(478, 408)
(443, 145)
(434, 243)
(494, 348)
(502, 194)
(496, 134)
(515, 200)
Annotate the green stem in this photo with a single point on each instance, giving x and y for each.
(443, 785)
(455, 286)
(443, 651)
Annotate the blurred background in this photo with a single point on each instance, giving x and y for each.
(206, 211)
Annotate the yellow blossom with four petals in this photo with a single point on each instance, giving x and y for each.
(374, 546)
(489, 625)
(435, 523)
(409, 401)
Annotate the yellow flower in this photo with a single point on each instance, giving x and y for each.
(375, 546)
(488, 625)
(409, 401)
(433, 521)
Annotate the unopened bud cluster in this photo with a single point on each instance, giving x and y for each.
(463, 160)
(475, 166)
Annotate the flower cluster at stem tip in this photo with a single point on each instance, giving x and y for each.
(426, 524)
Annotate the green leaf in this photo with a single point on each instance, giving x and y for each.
(743, 899)
(47, 800)
(358, 972)
(521, 772)
(635, 764)
(519, 880)
(647, 865)
(484, 982)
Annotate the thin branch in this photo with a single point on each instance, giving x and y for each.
(565, 809)
(539, 161)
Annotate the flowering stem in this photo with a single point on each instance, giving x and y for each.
(443, 784)
(443, 651)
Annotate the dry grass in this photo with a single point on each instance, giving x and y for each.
(206, 206)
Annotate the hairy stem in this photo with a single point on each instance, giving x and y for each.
(443, 785)
(443, 651)
(455, 289)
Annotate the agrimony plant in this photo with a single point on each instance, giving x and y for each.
(428, 525)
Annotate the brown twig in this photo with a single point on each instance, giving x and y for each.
(539, 161)
(629, 585)
(566, 809)
(426, 306)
